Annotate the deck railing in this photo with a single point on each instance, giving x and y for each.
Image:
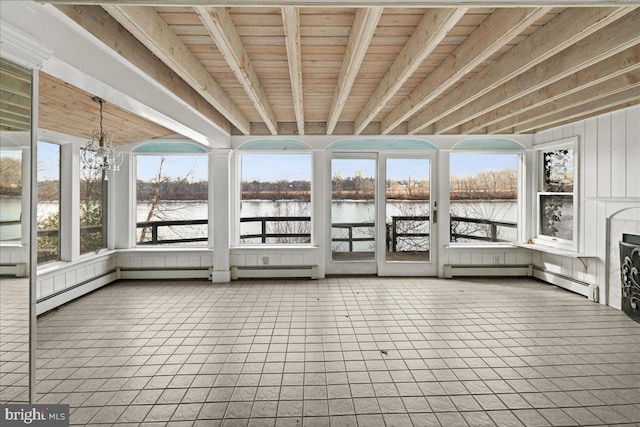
(264, 235)
(155, 225)
(486, 229)
(483, 230)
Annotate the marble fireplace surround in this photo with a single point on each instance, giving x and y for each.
(619, 216)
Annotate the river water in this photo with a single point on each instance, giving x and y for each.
(342, 212)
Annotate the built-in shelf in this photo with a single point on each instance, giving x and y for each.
(581, 256)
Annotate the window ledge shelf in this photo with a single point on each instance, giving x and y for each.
(165, 249)
(479, 246)
(554, 251)
(274, 247)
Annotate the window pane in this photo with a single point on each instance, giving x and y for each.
(48, 202)
(91, 212)
(275, 203)
(353, 207)
(558, 171)
(556, 215)
(10, 196)
(172, 200)
(484, 197)
(407, 210)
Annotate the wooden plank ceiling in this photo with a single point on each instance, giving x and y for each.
(346, 70)
(70, 110)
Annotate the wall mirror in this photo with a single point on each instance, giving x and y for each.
(15, 194)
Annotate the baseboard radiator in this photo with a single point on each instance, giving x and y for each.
(66, 295)
(142, 273)
(583, 288)
(452, 270)
(274, 271)
(15, 270)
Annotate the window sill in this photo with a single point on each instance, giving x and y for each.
(274, 247)
(165, 248)
(62, 265)
(480, 246)
(554, 251)
(11, 245)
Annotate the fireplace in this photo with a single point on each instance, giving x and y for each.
(630, 275)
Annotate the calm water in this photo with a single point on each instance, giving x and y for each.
(342, 212)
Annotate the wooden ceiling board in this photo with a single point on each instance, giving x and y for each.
(68, 109)
(324, 35)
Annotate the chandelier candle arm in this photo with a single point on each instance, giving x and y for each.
(99, 153)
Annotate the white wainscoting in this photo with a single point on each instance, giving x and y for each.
(274, 261)
(14, 259)
(165, 263)
(62, 282)
(609, 153)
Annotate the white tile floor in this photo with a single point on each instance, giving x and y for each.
(342, 352)
(14, 340)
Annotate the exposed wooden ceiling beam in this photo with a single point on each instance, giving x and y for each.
(358, 3)
(558, 34)
(109, 31)
(218, 23)
(362, 31)
(291, 22)
(433, 27)
(597, 47)
(506, 117)
(147, 26)
(497, 30)
(588, 95)
(608, 103)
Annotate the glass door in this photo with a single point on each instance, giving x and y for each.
(408, 216)
(353, 215)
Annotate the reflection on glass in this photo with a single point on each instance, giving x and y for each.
(15, 142)
(91, 212)
(172, 200)
(353, 209)
(48, 202)
(275, 201)
(556, 216)
(407, 210)
(11, 196)
(14, 339)
(483, 198)
(558, 170)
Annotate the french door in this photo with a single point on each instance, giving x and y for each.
(381, 214)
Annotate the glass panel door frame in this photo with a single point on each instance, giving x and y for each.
(359, 266)
(407, 268)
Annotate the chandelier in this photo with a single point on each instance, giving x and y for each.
(99, 154)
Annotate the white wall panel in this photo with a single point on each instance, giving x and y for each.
(633, 152)
(609, 150)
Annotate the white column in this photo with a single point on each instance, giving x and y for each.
(121, 210)
(442, 197)
(219, 223)
(69, 202)
(319, 203)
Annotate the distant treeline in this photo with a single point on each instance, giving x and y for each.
(173, 190)
(494, 185)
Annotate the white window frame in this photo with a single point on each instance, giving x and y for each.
(134, 196)
(238, 186)
(539, 150)
(520, 222)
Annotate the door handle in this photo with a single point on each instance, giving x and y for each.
(435, 216)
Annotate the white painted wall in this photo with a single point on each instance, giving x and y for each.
(609, 180)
